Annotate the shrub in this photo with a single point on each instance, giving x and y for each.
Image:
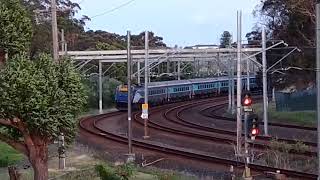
(122, 172)
(106, 173)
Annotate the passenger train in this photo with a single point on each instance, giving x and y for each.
(172, 91)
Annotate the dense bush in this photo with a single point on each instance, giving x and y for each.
(108, 91)
(122, 172)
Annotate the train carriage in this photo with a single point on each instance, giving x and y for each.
(170, 91)
(205, 87)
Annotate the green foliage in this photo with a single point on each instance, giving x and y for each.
(172, 176)
(108, 91)
(8, 155)
(225, 39)
(167, 176)
(294, 22)
(42, 39)
(81, 174)
(15, 27)
(303, 118)
(108, 46)
(125, 171)
(122, 172)
(106, 173)
(45, 95)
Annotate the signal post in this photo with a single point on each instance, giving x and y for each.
(251, 127)
(145, 106)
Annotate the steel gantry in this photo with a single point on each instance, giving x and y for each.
(213, 60)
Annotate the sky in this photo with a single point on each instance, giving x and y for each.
(179, 22)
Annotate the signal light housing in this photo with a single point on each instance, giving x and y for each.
(247, 100)
(253, 126)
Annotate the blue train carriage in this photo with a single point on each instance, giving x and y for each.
(253, 83)
(179, 90)
(157, 94)
(162, 92)
(205, 87)
(223, 85)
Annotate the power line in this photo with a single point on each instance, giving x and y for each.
(113, 9)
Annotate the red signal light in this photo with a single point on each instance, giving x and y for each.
(247, 101)
(254, 131)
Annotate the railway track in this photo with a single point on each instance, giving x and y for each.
(220, 136)
(230, 132)
(89, 125)
(216, 116)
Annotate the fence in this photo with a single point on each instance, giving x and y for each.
(297, 101)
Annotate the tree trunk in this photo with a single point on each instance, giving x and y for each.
(39, 160)
(40, 170)
(13, 173)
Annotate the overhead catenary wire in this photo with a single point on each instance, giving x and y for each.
(113, 9)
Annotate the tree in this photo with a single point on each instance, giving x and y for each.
(39, 99)
(294, 22)
(15, 27)
(290, 20)
(225, 39)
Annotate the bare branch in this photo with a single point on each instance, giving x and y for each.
(18, 145)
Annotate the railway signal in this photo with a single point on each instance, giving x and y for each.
(247, 102)
(253, 126)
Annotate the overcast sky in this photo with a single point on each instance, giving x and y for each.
(181, 22)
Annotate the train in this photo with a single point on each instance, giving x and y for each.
(177, 90)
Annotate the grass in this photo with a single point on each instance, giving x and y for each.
(8, 155)
(304, 118)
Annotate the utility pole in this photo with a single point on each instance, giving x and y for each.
(318, 81)
(179, 69)
(232, 87)
(239, 88)
(264, 81)
(64, 47)
(130, 154)
(62, 42)
(248, 74)
(62, 152)
(146, 79)
(139, 77)
(100, 88)
(229, 88)
(55, 44)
